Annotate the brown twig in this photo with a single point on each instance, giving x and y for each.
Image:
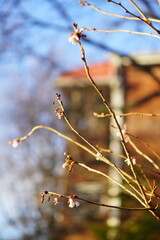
(144, 19)
(122, 173)
(114, 118)
(113, 180)
(58, 133)
(51, 194)
(146, 144)
(103, 115)
(115, 15)
(142, 154)
(71, 126)
(122, 30)
(110, 151)
(117, 207)
(139, 10)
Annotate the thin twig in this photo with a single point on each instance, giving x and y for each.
(116, 15)
(111, 206)
(139, 10)
(143, 18)
(110, 151)
(71, 126)
(114, 118)
(113, 180)
(51, 194)
(122, 30)
(103, 115)
(122, 173)
(146, 144)
(145, 177)
(60, 134)
(142, 154)
(122, 156)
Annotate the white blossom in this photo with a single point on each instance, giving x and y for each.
(64, 165)
(126, 139)
(15, 143)
(127, 161)
(98, 155)
(124, 135)
(73, 38)
(76, 35)
(56, 200)
(134, 161)
(73, 203)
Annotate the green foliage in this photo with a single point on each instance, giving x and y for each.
(140, 228)
(99, 230)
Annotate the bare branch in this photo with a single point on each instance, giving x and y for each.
(116, 15)
(103, 115)
(73, 197)
(123, 30)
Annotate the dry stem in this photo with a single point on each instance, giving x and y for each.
(122, 30)
(103, 115)
(114, 118)
(116, 15)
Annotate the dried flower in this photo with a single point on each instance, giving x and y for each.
(73, 203)
(124, 135)
(64, 165)
(68, 162)
(60, 114)
(126, 139)
(15, 143)
(42, 196)
(73, 38)
(56, 200)
(76, 35)
(134, 160)
(98, 156)
(127, 161)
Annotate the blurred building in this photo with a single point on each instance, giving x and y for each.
(138, 80)
(130, 84)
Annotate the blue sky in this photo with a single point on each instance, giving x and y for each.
(54, 41)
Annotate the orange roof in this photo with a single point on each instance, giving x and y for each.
(101, 72)
(99, 69)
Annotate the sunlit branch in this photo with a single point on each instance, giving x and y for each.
(117, 207)
(113, 116)
(75, 197)
(58, 99)
(146, 144)
(76, 143)
(146, 180)
(116, 15)
(139, 10)
(60, 134)
(113, 180)
(102, 115)
(122, 30)
(143, 18)
(110, 151)
(61, 110)
(143, 154)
